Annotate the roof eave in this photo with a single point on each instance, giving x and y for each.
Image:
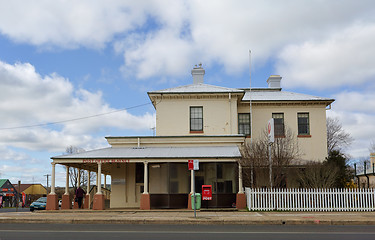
(326, 101)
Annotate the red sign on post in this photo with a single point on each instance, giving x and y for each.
(271, 131)
(193, 164)
(206, 192)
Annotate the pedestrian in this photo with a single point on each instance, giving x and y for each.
(79, 196)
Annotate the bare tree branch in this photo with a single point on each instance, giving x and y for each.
(337, 138)
(73, 172)
(285, 150)
(372, 147)
(318, 175)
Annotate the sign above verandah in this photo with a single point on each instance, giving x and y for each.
(106, 160)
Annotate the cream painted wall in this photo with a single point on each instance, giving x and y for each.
(219, 116)
(124, 191)
(312, 148)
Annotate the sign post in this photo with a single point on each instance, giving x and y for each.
(271, 140)
(194, 165)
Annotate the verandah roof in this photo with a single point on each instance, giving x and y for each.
(157, 153)
(88, 160)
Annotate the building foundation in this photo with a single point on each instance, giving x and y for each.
(241, 201)
(66, 202)
(145, 201)
(99, 202)
(52, 202)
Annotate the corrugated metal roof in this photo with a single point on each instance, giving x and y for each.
(157, 152)
(258, 94)
(276, 95)
(199, 88)
(2, 182)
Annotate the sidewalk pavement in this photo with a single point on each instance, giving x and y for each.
(127, 216)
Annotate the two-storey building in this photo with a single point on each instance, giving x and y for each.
(206, 123)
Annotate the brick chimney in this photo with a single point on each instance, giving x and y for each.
(198, 73)
(274, 81)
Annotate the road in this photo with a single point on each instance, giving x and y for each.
(182, 232)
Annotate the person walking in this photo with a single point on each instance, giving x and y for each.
(79, 196)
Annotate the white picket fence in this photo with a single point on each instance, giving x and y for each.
(310, 199)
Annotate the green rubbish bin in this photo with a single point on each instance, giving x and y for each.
(198, 201)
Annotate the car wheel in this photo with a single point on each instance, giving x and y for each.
(31, 209)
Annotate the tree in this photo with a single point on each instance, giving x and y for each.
(284, 152)
(337, 138)
(73, 172)
(333, 172)
(344, 174)
(372, 147)
(317, 175)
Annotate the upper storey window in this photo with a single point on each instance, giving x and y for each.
(303, 124)
(279, 124)
(196, 119)
(244, 124)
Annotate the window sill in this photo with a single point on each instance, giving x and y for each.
(304, 136)
(280, 136)
(196, 131)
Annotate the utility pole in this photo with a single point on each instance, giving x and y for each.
(47, 180)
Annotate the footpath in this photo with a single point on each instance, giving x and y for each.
(128, 216)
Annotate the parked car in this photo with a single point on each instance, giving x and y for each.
(39, 204)
(60, 202)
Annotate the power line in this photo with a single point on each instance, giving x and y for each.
(73, 119)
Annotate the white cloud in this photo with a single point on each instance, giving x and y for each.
(25, 173)
(345, 58)
(157, 55)
(355, 110)
(223, 31)
(164, 38)
(27, 98)
(356, 102)
(8, 154)
(69, 24)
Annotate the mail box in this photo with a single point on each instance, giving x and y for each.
(206, 192)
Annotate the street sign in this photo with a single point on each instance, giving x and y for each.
(271, 131)
(193, 164)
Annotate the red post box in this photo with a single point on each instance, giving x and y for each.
(206, 192)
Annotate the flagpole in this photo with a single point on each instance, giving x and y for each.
(251, 126)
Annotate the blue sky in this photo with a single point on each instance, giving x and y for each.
(64, 60)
